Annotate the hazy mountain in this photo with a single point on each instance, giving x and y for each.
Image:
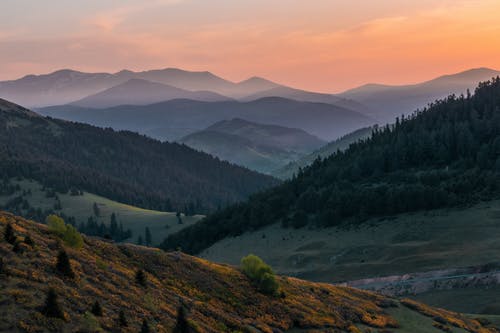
(66, 86)
(175, 119)
(388, 102)
(121, 166)
(142, 92)
(256, 146)
(308, 96)
(331, 148)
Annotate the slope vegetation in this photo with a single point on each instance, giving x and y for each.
(216, 298)
(444, 156)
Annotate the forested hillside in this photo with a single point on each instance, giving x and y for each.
(446, 155)
(122, 166)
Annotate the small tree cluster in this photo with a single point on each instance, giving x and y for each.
(260, 273)
(96, 309)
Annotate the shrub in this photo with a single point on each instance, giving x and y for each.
(56, 225)
(9, 235)
(72, 237)
(181, 324)
(63, 265)
(140, 278)
(66, 232)
(260, 273)
(2, 266)
(145, 327)
(122, 320)
(52, 308)
(96, 309)
(90, 323)
(28, 241)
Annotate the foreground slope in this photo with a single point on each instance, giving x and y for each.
(218, 298)
(256, 146)
(122, 166)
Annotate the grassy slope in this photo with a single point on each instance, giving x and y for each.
(407, 243)
(219, 297)
(133, 218)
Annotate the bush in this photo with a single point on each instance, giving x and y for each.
(122, 320)
(260, 273)
(66, 232)
(52, 308)
(145, 327)
(28, 241)
(96, 309)
(90, 323)
(140, 278)
(56, 225)
(72, 237)
(9, 235)
(63, 265)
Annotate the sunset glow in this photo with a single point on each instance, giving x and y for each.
(323, 45)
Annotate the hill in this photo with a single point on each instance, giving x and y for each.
(216, 298)
(388, 102)
(444, 156)
(142, 92)
(331, 148)
(175, 119)
(256, 146)
(122, 166)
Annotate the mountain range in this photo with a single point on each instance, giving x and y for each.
(256, 146)
(172, 120)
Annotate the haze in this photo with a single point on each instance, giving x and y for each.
(322, 45)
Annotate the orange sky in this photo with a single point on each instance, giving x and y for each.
(323, 45)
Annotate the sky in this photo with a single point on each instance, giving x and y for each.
(321, 45)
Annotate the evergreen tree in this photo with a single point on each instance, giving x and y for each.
(96, 210)
(96, 309)
(147, 235)
(181, 325)
(2, 266)
(113, 226)
(145, 326)
(139, 240)
(52, 308)
(140, 278)
(122, 320)
(63, 265)
(9, 235)
(28, 241)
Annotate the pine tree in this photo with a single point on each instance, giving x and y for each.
(97, 212)
(113, 227)
(147, 235)
(2, 266)
(140, 278)
(181, 325)
(63, 265)
(122, 320)
(145, 326)
(52, 308)
(9, 235)
(28, 241)
(96, 309)
(139, 240)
